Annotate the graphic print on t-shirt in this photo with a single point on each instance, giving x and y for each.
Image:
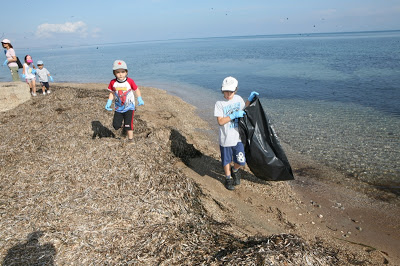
(230, 109)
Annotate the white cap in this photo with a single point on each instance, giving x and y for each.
(40, 62)
(5, 41)
(229, 84)
(119, 64)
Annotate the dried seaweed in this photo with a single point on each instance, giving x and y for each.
(97, 199)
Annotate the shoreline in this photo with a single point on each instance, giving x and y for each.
(309, 206)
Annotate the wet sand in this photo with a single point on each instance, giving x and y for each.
(59, 175)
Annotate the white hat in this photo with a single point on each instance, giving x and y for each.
(229, 84)
(40, 62)
(5, 41)
(119, 64)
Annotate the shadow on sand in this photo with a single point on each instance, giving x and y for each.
(200, 163)
(31, 252)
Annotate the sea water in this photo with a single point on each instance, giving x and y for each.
(332, 96)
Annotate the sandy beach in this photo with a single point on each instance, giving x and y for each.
(74, 191)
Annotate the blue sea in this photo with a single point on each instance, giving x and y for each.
(334, 97)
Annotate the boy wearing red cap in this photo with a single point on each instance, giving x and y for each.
(123, 89)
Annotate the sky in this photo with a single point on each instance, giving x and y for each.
(46, 23)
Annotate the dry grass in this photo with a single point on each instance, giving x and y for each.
(71, 193)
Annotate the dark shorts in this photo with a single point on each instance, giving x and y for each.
(45, 84)
(126, 117)
(235, 153)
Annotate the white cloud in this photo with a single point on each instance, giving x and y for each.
(46, 30)
(96, 32)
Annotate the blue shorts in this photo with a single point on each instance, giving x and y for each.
(235, 152)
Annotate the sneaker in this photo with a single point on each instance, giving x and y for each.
(44, 93)
(48, 91)
(34, 94)
(229, 183)
(236, 176)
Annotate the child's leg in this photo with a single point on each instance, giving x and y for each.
(128, 123)
(130, 134)
(45, 86)
(34, 85)
(29, 85)
(117, 121)
(239, 160)
(227, 169)
(29, 82)
(239, 157)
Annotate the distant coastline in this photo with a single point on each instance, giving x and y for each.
(279, 35)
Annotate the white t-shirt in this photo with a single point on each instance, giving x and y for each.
(42, 74)
(28, 71)
(229, 133)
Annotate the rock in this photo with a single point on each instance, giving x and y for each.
(13, 94)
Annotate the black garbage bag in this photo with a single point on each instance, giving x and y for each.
(264, 154)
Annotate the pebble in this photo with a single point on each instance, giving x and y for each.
(359, 228)
(320, 216)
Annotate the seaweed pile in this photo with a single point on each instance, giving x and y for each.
(74, 191)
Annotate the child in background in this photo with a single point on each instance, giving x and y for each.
(123, 89)
(227, 112)
(28, 73)
(44, 76)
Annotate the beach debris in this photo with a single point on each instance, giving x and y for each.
(98, 201)
(338, 205)
(359, 228)
(315, 204)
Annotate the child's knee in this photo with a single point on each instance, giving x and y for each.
(116, 126)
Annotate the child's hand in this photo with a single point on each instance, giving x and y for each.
(5, 62)
(33, 71)
(108, 105)
(23, 76)
(253, 95)
(140, 101)
(51, 79)
(237, 114)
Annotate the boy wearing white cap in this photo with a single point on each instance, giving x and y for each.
(123, 89)
(44, 77)
(227, 112)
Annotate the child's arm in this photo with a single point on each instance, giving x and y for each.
(50, 77)
(111, 96)
(253, 94)
(139, 97)
(109, 101)
(223, 120)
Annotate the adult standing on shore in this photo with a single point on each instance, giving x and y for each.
(11, 60)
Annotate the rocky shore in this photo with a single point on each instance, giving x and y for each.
(74, 191)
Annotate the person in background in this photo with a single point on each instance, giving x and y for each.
(227, 112)
(44, 77)
(123, 89)
(11, 60)
(28, 73)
